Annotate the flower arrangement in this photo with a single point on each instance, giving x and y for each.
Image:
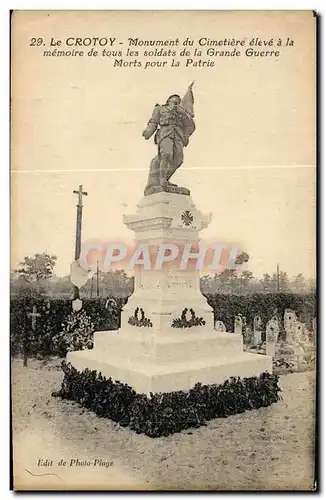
(76, 334)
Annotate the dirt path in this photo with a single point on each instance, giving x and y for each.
(269, 448)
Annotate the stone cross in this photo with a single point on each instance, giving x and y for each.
(34, 315)
(257, 329)
(79, 205)
(80, 193)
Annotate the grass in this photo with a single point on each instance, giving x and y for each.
(266, 449)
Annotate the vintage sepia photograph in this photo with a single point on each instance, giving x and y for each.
(163, 307)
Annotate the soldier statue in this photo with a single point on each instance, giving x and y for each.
(173, 124)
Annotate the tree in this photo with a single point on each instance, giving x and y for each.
(312, 285)
(58, 286)
(116, 283)
(36, 268)
(266, 283)
(299, 283)
(206, 284)
(245, 279)
(227, 280)
(274, 283)
(18, 286)
(284, 282)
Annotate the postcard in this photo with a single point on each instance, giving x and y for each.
(163, 250)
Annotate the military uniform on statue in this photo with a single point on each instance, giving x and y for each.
(173, 123)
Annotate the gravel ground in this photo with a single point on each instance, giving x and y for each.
(270, 448)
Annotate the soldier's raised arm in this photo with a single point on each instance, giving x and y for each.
(152, 123)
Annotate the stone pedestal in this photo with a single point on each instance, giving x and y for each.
(167, 340)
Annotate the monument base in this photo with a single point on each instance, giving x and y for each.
(152, 363)
(162, 414)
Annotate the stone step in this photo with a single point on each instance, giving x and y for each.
(168, 348)
(147, 376)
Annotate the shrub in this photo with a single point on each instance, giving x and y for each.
(54, 313)
(163, 414)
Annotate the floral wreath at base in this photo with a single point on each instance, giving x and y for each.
(183, 322)
(139, 319)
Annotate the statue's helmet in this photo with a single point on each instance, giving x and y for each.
(173, 96)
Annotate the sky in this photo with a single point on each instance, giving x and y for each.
(250, 162)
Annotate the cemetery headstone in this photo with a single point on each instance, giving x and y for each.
(305, 334)
(272, 331)
(275, 320)
(110, 303)
(220, 326)
(298, 338)
(314, 328)
(238, 324)
(249, 338)
(257, 329)
(290, 320)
